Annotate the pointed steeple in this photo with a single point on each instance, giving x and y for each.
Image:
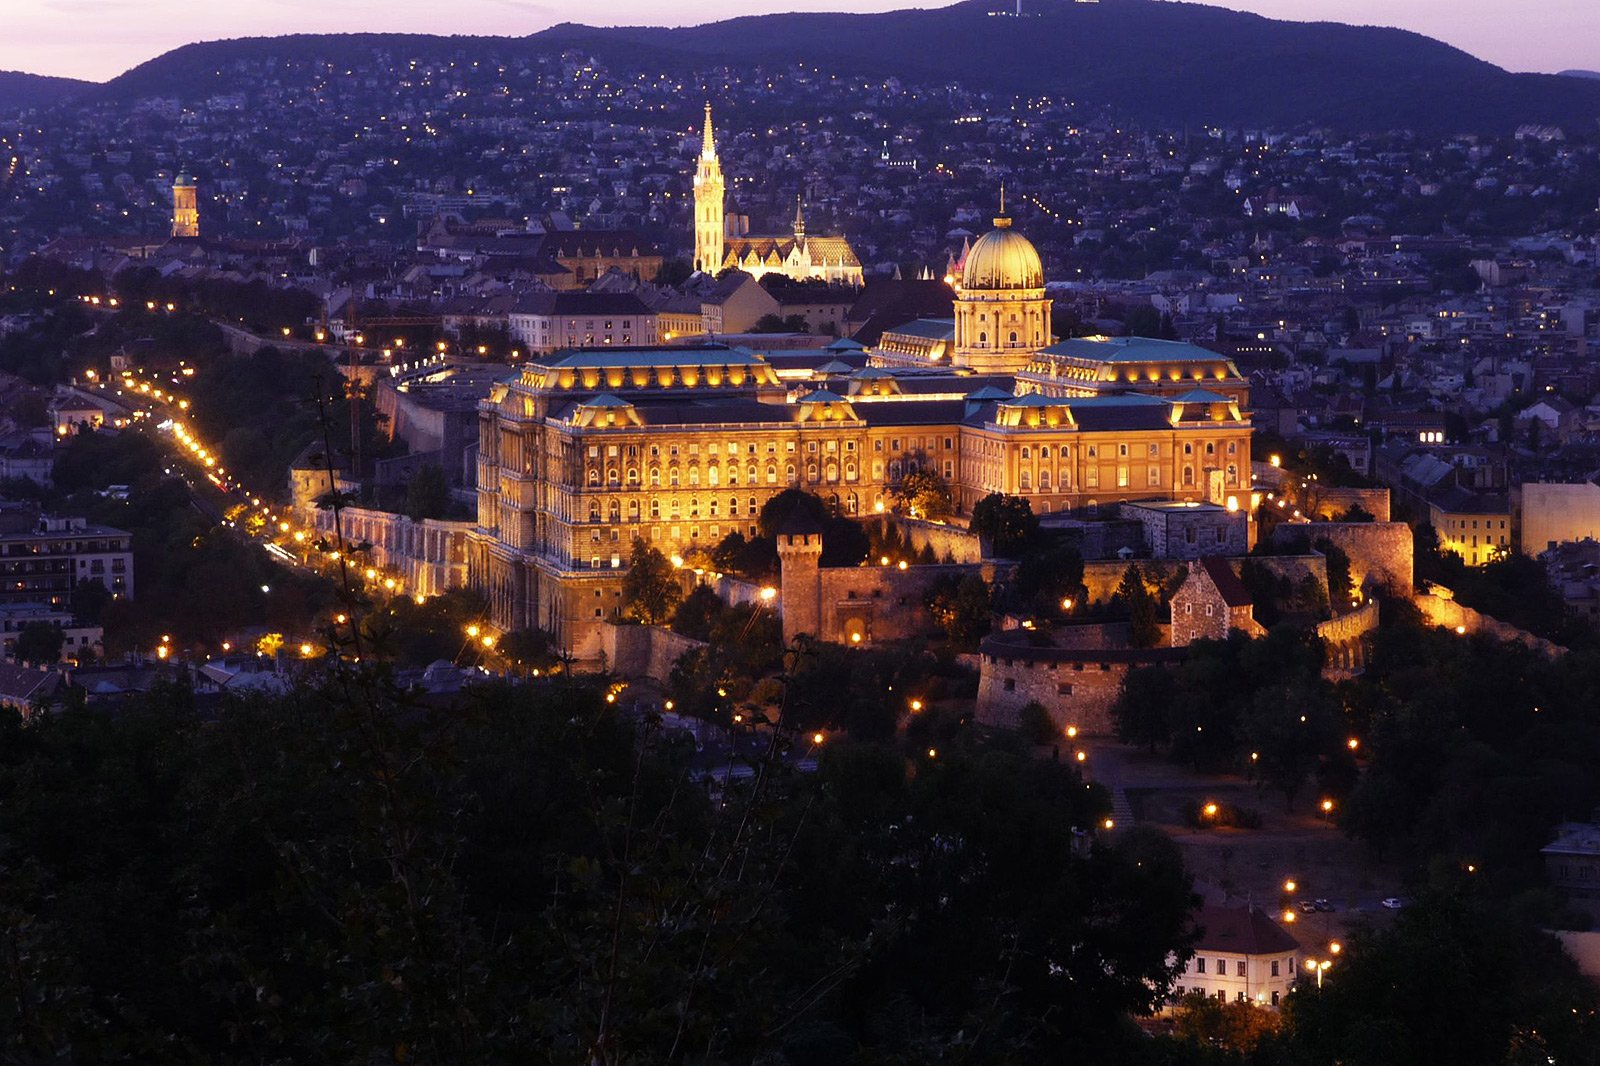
(1002, 220)
(896, 276)
(799, 220)
(708, 139)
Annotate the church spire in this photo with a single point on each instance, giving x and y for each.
(708, 139)
(799, 219)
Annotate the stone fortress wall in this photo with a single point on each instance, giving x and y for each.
(635, 651)
(1380, 552)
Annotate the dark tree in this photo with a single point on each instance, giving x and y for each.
(89, 600)
(1144, 709)
(428, 493)
(1007, 522)
(652, 587)
(1134, 597)
(39, 643)
(924, 494)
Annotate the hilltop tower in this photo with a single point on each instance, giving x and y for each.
(1002, 311)
(185, 206)
(709, 204)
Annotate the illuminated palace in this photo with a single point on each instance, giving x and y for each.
(794, 255)
(587, 450)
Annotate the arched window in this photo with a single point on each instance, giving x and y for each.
(694, 477)
(676, 509)
(983, 338)
(1025, 484)
(655, 508)
(849, 471)
(751, 472)
(811, 472)
(852, 503)
(594, 510)
(672, 477)
(1188, 475)
(1044, 481)
(1013, 336)
(788, 473)
(615, 511)
(612, 477)
(714, 476)
(655, 477)
(832, 473)
(633, 478)
(633, 510)
(594, 477)
(772, 474)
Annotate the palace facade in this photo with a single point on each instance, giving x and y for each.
(588, 449)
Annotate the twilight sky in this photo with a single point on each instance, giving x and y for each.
(98, 39)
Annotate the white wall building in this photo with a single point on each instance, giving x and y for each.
(1243, 955)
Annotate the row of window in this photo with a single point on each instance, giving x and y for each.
(1241, 967)
(1222, 994)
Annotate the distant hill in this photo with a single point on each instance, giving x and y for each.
(1168, 63)
(1595, 74)
(19, 91)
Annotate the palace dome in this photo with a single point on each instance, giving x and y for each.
(1002, 259)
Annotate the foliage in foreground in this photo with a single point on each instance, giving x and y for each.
(341, 875)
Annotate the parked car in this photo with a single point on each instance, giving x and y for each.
(1307, 906)
(1325, 907)
(1394, 903)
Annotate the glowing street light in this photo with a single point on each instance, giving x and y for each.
(817, 737)
(1319, 967)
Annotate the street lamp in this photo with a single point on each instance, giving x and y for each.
(1319, 967)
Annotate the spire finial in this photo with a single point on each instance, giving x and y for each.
(799, 216)
(708, 141)
(1002, 220)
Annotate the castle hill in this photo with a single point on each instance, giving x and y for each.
(1012, 532)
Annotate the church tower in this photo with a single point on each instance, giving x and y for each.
(709, 190)
(185, 206)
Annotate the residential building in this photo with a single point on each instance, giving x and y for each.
(42, 559)
(1242, 956)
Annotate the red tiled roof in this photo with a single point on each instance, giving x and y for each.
(1243, 931)
(1233, 592)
